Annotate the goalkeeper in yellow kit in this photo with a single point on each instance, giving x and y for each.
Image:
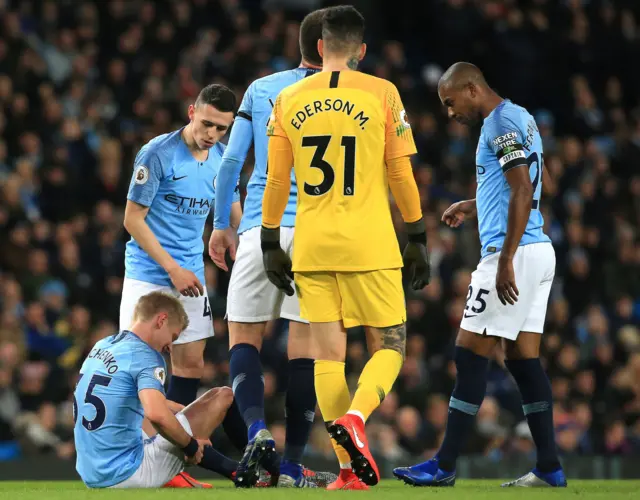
(347, 137)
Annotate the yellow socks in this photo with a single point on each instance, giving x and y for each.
(375, 382)
(333, 398)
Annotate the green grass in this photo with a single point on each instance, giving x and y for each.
(389, 489)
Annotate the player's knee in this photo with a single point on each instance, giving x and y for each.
(225, 397)
(246, 333)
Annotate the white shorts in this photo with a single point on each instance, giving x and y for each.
(534, 267)
(252, 298)
(197, 308)
(161, 462)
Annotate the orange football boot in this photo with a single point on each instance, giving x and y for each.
(184, 480)
(347, 480)
(348, 431)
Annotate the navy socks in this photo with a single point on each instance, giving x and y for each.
(468, 394)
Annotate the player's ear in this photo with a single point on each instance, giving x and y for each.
(161, 319)
(321, 48)
(363, 51)
(191, 111)
(473, 90)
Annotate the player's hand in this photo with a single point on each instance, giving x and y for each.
(456, 214)
(222, 240)
(277, 264)
(195, 459)
(186, 282)
(506, 282)
(416, 261)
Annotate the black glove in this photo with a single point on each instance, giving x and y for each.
(415, 255)
(277, 263)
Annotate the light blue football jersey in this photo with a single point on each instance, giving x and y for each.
(251, 126)
(107, 410)
(509, 139)
(179, 191)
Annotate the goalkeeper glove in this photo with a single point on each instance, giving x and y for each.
(415, 255)
(277, 263)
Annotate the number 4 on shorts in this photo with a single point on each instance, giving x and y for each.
(207, 309)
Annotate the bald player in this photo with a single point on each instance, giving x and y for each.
(508, 294)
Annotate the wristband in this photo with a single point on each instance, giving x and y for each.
(269, 238)
(416, 231)
(191, 449)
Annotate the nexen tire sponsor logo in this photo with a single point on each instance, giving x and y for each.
(503, 138)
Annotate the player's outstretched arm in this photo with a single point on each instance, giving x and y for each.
(456, 214)
(185, 281)
(157, 411)
(519, 210)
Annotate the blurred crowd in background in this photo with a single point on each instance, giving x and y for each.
(84, 84)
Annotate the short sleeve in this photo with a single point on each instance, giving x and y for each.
(274, 125)
(246, 106)
(147, 174)
(398, 136)
(506, 141)
(149, 370)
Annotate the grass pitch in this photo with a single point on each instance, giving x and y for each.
(388, 489)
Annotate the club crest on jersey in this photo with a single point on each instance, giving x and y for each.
(160, 374)
(403, 119)
(141, 175)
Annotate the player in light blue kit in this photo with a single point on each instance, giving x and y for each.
(252, 299)
(509, 290)
(169, 200)
(121, 383)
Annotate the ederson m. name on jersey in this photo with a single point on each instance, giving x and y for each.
(180, 192)
(509, 134)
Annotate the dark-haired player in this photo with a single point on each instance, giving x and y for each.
(252, 300)
(347, 137)
(509, 290)
(169, 200)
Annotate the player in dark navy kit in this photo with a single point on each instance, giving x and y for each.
(509, 290)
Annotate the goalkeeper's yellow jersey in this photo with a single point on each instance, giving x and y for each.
(343, 126)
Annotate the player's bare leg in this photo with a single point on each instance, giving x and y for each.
(187, 366)
(472, 355)
(523, 361)
(204, 415)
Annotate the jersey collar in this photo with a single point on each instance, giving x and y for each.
(497, 109)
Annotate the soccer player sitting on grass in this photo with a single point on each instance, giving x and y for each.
(127, 434)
